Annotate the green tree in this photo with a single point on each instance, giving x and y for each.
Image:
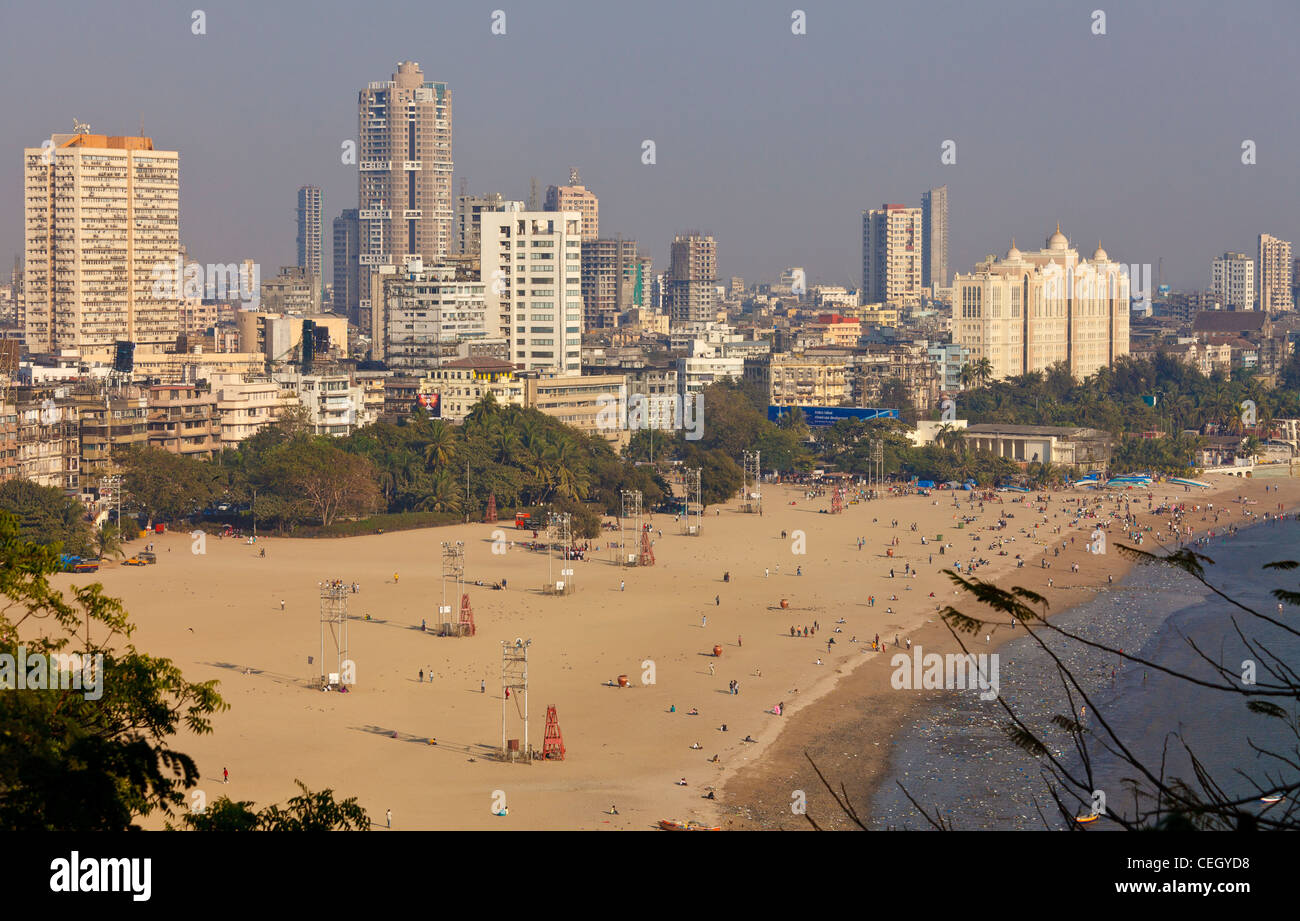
(45, 515)
(69, 762)
(307, 811)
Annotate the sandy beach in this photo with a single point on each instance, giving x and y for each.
(218, 615)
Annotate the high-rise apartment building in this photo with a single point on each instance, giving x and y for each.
(1273, 274)
(468, 209)
(101, 241)
(405, 200)
(615, 278)
(310, 223)
(892, 251)
(425, 315)
(532, 273)
(576, 197)
(347, 268)
(934, 233)
(1232, 280)
(690, 287)
(1028, 311)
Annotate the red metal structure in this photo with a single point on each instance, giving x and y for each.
(491, 515)
(552, 739)
(647, 551)
(837, 501)
(466, 616)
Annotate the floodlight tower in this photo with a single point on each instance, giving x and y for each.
(559, 530)
(334, 624)
(631, 509)
(878, 460)
(753, 491)
(691, 482)
(453, 568)
(514, 677)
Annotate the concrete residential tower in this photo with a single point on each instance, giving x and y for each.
(576, 197)
(892, 251)
(934, 231)
(691, 284)
(1273, 274)
(1232, 279)
(310, 223)
(404, 196)
(101, 235)
(532, 270)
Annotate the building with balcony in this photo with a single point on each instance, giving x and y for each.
(183, 419)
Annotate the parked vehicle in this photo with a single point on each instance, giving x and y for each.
(148, 556)
(134, 561)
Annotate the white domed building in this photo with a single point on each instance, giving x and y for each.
(1030, 310)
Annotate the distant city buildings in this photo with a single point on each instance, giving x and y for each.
(1273, 274)
(615, 278)
(310, 222)
(1232, 278)
(1028, 311)
(101, 232)
(934, 232)
(346, 296)
(691, 283)
(892, 251)
(576, 197)
(468, 209)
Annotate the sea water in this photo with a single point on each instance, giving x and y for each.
(957, 762)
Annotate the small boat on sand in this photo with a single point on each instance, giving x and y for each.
(677, 825)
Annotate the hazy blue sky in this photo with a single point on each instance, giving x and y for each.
(772, 142)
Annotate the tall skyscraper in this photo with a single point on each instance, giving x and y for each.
(405, 199)
(576, 197)
(691, 284)
(1273, 274)
(934, 232)
(310, 228)
(615, 278)
(347, 270)
(468, 209)
(1028, 311)
(532, 272)
(892, 252)
(101, 243)
(1232, 280)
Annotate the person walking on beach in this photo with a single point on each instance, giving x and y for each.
(421, 676)
(710, 669)
(389, 816)
(739, 641)
(717, 600)
(394, 578)
(225, 775)
(621, 585)
(482, 686)
(281, 604)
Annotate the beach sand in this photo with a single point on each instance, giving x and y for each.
(218, 616)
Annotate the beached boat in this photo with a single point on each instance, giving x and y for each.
(677, 825)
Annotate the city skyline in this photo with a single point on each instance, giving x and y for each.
(832, 152)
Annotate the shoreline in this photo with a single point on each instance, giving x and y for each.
(832, 729)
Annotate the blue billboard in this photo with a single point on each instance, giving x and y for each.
(819, 416)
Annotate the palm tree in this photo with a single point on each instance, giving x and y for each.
(967, 375)
(444, 493)
(441, 448)
(983, 371)
(108, 540)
